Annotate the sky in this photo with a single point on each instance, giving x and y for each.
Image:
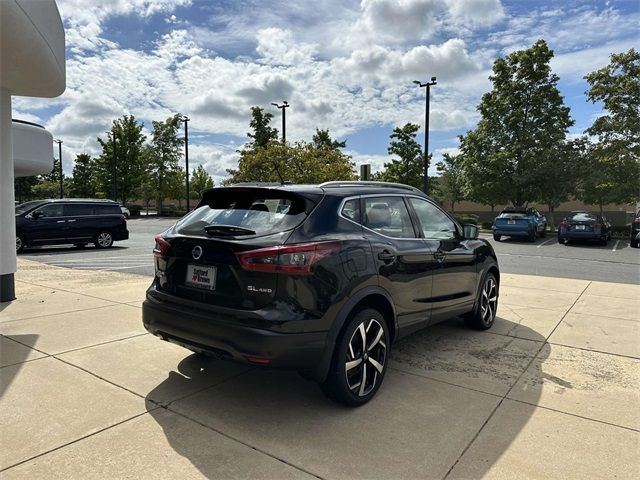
(346, 66)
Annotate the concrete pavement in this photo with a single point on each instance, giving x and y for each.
(552, 391)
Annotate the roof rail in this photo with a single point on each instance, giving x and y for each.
(358, 183)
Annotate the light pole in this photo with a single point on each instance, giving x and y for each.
(185, 120)
(426, 130)
(114, 186)
(59, 142)
(283, 107)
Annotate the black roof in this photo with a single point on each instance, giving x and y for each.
(338, 188)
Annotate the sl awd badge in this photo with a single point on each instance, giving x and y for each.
(196, 253)
(251, 288)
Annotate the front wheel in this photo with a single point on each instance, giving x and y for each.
(359, 360)
(103, 240)
(532, 235)
(543, 232)
(635, 243)
(484, 315)
(497, 237)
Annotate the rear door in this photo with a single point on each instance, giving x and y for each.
(404, 263)
(454, 276)
(79, 221)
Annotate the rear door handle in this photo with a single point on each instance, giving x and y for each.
(60, 221)
(386, 256)
(70, 221)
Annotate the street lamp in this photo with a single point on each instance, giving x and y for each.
(426, 129)
(114, 186)
(185, 120)
(59, 142)
(283, 107)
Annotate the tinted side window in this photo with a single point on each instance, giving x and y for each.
(388, 216)
(77, 209)
(106, 209)
(434, 222)
(51, 210)
(351, 210)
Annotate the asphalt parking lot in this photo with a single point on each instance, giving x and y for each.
(616, 262)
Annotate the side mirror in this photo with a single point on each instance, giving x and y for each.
(470, 231)
(36, 215)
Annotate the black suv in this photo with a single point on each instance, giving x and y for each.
(56, 222)
(321, 279)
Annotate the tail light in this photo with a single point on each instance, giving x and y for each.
(123, 217)
(596, 225)
(296, 259)
(564, 225)
(162, 247)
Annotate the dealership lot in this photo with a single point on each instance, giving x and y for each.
(551, 391)
(616, 262)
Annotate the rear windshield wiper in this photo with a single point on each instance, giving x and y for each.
(227, 230)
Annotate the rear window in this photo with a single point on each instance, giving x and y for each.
(244, 212)
(78, 209)
(107, 209)
(583, 217)
(512, 215)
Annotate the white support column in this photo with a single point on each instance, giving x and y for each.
(8, 265)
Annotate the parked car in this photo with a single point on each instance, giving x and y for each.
(74, 221)
(635, 232)
(125, 211)
(523, 222)
(320, 279)
(584, 226)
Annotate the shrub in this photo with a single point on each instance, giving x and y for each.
(468, 218)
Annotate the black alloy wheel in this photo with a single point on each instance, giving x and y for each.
(360, 359)
(484, 315)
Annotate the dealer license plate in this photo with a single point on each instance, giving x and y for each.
(580, 227)
(511, 222)
(200, 276)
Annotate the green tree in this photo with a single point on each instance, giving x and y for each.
(613, 175)
(130, 166)
(562, 171)
(298, 163)
(83, 183)
(409, 168)
(451, 188)
(523, 122)
(199, 182)
(176, 185)
(165, 151)
(322, 139)
(262, 133)
(23, 187)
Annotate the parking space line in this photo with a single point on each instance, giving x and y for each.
(545, 242)
(615, 245)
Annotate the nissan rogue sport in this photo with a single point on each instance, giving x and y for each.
(321, 279)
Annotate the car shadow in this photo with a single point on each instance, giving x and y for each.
(13, 364)
(435, 376)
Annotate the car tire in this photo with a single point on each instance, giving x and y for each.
(543, 232)
(484, 313)
(103, 239)
(634, 243)
(497, 237)
(532, 235)
(20, 243)
(359, 360)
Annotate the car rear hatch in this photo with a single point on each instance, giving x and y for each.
(582, 223)
(199, 259)
(512, 222)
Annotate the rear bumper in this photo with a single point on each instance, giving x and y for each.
(206, 333)
(582, 235)
(121, 234)
(511, 233)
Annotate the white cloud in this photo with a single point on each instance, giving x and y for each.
(278, 47)
(475, 12)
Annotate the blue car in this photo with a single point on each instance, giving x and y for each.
(584, 226)
(523, 222)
